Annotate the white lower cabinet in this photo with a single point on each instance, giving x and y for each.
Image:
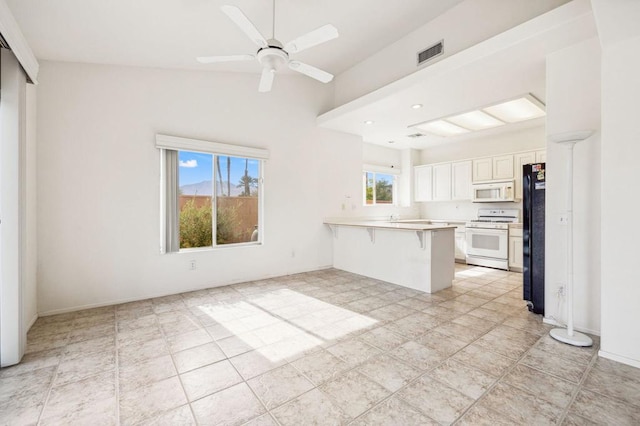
(515, 249)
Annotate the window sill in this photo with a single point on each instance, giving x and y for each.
(216, 248)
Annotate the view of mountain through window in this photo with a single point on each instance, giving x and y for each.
(235, 201)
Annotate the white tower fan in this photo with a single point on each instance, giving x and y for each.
(568, 335)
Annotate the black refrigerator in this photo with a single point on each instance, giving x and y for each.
(533, 189)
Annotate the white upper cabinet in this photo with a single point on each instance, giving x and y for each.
(461, 180)
(520, 160)
(442, 182)
(503, 167)
(423, 181)
(541, 156)
(482, 169)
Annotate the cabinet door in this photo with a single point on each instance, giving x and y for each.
(482, 169)
(442, 182)
(520, 160)
(461, 180)
(423, 182)
(503, 167)
(541, 156)
(515, 252)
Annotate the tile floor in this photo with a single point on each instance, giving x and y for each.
(325, 347)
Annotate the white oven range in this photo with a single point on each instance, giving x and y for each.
(488, 238)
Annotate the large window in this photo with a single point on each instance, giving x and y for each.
(210, 199)
(379, 188)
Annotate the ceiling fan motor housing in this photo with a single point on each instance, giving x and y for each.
(274, 56)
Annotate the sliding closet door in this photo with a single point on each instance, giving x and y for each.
(12, 143)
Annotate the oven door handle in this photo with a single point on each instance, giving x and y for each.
(484, 231)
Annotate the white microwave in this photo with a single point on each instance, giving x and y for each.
(494, 192)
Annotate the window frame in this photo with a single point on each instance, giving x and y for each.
(164, 143)
(375, 170)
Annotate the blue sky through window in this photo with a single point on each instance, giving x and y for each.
(196, 167)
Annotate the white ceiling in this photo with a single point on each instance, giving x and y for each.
(504, 67)
(171, 33)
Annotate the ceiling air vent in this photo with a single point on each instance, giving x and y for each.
(415, 135)
(431, 52)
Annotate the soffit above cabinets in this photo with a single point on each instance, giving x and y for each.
(503, 67)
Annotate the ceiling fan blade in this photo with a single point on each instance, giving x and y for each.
(266, 80)
(313, 38)
(310, 71)
(241, 20)
(228, 58)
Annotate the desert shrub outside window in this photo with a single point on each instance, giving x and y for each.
(210, 199)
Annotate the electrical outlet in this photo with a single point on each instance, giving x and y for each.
(563, 219)
(192, 265)
(561, 290)
(293, 253)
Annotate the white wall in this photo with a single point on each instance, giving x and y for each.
(98, 178)
(620, 153)
(521, 140)
(573, 103)
(460, 27)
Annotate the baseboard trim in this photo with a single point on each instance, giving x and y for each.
(619, 358)
(33, 321)
(186, 290)
(551, 321)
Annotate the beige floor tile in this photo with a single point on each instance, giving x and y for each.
(22, 396)
(383, 338)
(557, 366)
(181, 341)
(484, 360)
(626, 389)
(573, 419)
(418, 355)
(207, 380)
(354, 393)
(480, 415)
(133, 354)
(320, 366)
(236, 345)
(81, 398)
(466, 380)
(80, 367)
(389, 372)
(394, 412)
(101, 344)
(460, 332)
(314, 407)
(605, 410)
(197, 357)
(232, 406)
(414, 325)
(181, 416)
(136, 336)
(264, 420)
(278, 386)
(32, 362)
(146, 403)
(353, 351)
(98, 413)
(437, 401)
(144, 373)
(441, 343)
(551, 389)
(521, 406)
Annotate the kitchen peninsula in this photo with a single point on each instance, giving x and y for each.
(411, 254)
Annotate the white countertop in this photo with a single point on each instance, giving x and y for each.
(380, 224)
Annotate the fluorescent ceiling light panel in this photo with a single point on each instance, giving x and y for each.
(475, 120)
(442, 128)
(520, 109)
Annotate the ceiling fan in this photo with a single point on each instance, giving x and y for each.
(272, 54)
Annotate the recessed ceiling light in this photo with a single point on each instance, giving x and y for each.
(475, 120)
(521, 109)
(369, 122)
(416, 106)
(442, 128)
